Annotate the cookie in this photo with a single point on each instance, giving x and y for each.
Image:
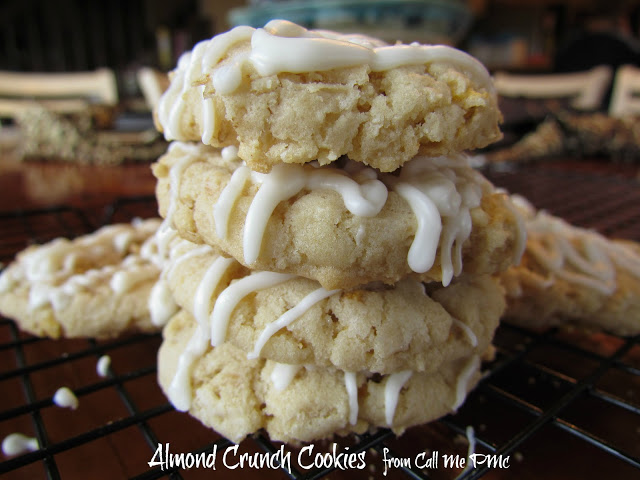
(237, 396)
(293, 320)
(571, 275)
(346, 226)
(285, 94)
(96, 285)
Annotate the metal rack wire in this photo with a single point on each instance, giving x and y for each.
(549, 400)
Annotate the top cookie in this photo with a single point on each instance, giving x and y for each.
(286, 94)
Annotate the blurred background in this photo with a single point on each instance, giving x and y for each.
(518, 35)
(550, 60)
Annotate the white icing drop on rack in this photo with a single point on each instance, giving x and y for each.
(352, 396)
(471, 450)
(392, 388)
(464, 377)
(233, 294)
(282, 46)
(288, 317)
(65, 398)
(282, 375)
(103, 365)
(18, 443)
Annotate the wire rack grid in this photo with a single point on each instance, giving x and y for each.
(549, 400)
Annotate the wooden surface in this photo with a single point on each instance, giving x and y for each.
(42, 184)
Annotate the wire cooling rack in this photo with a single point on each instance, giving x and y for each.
(553, 404)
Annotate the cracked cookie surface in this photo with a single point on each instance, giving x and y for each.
(378, 104)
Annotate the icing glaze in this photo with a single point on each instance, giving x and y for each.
(282, 46)
(180, 388)
(162, 306)
(282, 375)
(288, 317)
(206, 287)
(352, 396)
(18, 443)
(65, 398)
(577, 255)
(468, 332)
(59, 270)
(392, 388)
(285, 181)
(179, 391)
(440, 191)
(233, 294)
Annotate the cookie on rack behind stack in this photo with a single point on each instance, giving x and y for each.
(296, 263)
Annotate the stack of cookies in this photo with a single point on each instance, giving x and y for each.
(329, 248)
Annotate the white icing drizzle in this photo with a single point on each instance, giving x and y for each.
(50, 268)
(102, 367)
(352, 395)
(441, 192)
(179, 391)
(209, 282)
(18, 443)
(284, 181)
(228, 198)
(134, 273)
(392, 388)
(162, 306)
(282, 46)
(191, 66)
(468, 332)
(577, 255)
(422, 252)
(233, 294)
(175, 173)
(462, 383)
(288, 317)
(282, 375)
(65, 398)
